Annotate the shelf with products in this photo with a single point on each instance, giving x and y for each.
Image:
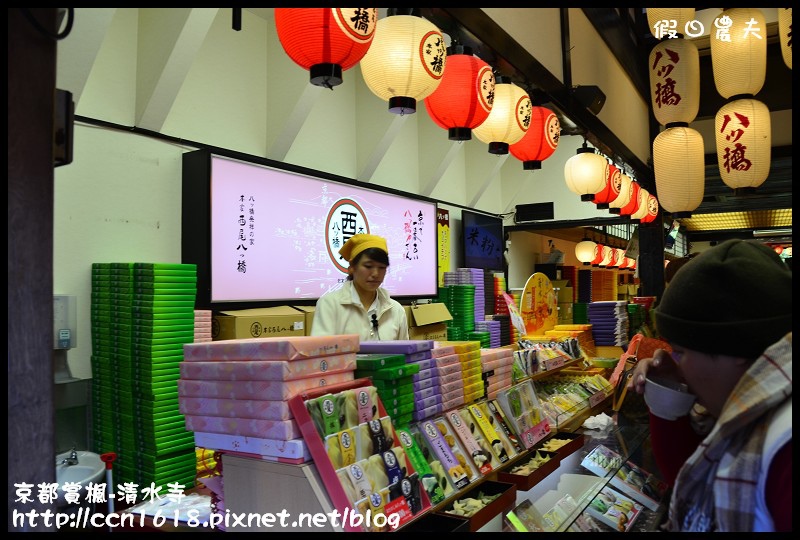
(334, 494)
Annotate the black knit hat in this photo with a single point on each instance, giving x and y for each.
(734, 298)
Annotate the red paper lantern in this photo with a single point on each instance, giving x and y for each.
(464, 96)
(540, 141)
(652, 209)
(326, 41)
(633, 205)
(598, 255)
(611, 191)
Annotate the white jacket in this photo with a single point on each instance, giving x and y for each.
(338, 314)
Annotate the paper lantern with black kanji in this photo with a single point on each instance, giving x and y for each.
(740, 62)
(633, 204)
(405, 62)
(463, 99)
(509, 118)
(326, 41)
(744, 143)
(675, 81)
(785, 34)
(652, 209)
(624, 197)
(540, 141)
(680, 170)
(641, 208)
(611, 189)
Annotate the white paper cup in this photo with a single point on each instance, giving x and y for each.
(667, 399)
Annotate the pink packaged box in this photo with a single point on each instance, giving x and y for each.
(266, 390)
(235, 408)
(292, 448)
(447, 369)
(442, 350)
(494, 354)
(451, 377)
(499, 370)
(452, 403)
(450, 395)
(271, 348)
(494, 387)
(448, 360)
(268, 370)
(250, 427)
(452, 386)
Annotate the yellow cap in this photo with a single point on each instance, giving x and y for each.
(360, 242)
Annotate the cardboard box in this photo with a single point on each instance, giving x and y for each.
(308, 311)
(428, 321)
(564, 292)
(279, 321)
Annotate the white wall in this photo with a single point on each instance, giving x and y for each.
(184, 73)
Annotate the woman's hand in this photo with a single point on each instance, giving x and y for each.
(660, 364)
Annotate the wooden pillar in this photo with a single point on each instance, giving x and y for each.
(651, 257)
(31, 92)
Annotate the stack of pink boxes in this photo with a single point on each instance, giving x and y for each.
(448, 368)
(202, 325)
(234, 393)
(497, 365)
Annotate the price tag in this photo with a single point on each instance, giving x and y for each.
(596, 398)
(535, 434)
(553, 363)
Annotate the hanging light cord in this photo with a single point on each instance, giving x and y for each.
(45, 32)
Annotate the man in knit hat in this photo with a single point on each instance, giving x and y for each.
(727, 314)
(361, 306)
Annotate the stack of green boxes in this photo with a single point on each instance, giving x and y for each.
(394, 380)
(142, 315)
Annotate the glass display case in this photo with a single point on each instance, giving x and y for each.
(606, 484)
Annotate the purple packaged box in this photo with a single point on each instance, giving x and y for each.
(422, 384)
(424, 374)
(427, 392)
(424, 403)
(424, 365)
(418, 356)
(405, 346)
(427, 412)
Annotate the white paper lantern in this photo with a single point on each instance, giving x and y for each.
(586, 173)
(584, 251)
(675, 81)
(641, 210)
(405, 62)
(744, 143)
(680, 170)
(739, 63)
(785, 33)
(508, 120)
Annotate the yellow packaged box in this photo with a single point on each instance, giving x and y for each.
(258, 322)
(308, 311)
(428, 321)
